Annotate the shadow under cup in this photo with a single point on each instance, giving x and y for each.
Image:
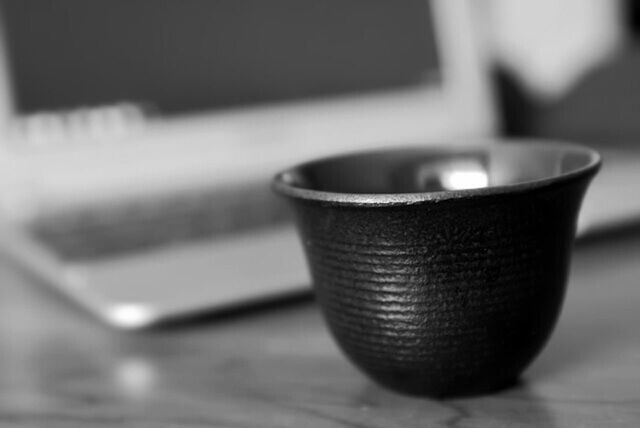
(441, 271)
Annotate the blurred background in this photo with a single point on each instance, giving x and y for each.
(130, 127)
(567, 70)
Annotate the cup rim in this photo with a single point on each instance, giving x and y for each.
(284, 185)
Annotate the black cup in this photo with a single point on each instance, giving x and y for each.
(441, 272)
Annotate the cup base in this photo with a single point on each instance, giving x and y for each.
(414, 385)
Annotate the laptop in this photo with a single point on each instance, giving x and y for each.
(139, 138)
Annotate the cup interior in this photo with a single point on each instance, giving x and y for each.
(419, 170)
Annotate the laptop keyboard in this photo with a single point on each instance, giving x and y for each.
(112, 229)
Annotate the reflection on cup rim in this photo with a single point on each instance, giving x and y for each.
(285, 182)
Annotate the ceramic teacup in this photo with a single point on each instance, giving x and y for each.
(441, 271)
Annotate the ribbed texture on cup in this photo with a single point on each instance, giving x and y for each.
(443, 298)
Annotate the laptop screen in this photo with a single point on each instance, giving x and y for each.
(184, 56)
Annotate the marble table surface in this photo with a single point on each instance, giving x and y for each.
(278, 367)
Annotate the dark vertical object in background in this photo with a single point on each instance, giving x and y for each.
(186, 55)
(516, 106)
(633, 17)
